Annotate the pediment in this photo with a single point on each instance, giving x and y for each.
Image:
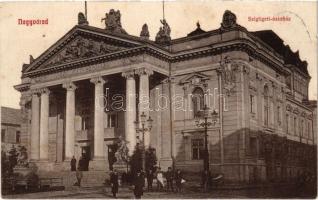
(79, 45)
(195, 78)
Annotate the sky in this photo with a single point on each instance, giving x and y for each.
(17, 42)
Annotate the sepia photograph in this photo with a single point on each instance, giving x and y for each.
(158, 99)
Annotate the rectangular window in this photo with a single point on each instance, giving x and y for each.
(112, 120)
(3, 135)
(197, 149)
(309, 130)
(17, 137)
(279, 120)
(295, 126)
(253, 146)
(287, 123)
(85, 123)
(252, 104)
(266, 116)
(301, 134)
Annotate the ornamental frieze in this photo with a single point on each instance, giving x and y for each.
(296, 111)
(87, 69)
(82, 47)
(289, 108)
(228, 71)
(303, 114)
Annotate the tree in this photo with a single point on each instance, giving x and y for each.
(13, 158)
(151, 158)
(135, 159)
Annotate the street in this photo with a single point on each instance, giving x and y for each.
(196, 193)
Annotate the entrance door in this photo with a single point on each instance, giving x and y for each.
(86, 156)
(112, 148)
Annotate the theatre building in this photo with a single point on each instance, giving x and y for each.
(84, 93)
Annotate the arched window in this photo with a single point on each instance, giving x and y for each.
(266, 105)
(198, 101)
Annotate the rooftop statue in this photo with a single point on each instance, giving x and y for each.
(112, 22)
(229, 20)
(163, 36)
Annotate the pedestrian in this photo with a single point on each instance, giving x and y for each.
(73, 164)
(138, 185)
(150, 175)
(169, 177)
(160, 182)
(114, 182)
(206, 180)
(81, 163)
(178, 179)
(79, 176)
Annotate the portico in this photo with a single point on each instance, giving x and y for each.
(92, 123)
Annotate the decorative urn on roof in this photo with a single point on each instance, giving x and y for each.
(144, 34)
(82, 19)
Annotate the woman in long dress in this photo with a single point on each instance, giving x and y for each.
(160, 179)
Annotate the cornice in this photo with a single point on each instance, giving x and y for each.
(238, 44)
(22, 87)
(298, 104)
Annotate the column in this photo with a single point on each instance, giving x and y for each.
(130, 114)
(144, 97)
(70, 120)
(44, 124)
(35, 127)
(98, 118)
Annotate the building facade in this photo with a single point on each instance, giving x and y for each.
(10, 127)
(88, 89)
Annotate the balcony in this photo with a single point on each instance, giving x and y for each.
(109, 133)
(82, 135)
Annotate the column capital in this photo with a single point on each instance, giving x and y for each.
(69, 86)
(44, 91)
(97, 80)
(143, 71)
(128, 74)
(35, 91)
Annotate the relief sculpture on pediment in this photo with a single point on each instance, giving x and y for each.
(83, 48)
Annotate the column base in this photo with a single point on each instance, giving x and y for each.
(165, 163)
(99, 164)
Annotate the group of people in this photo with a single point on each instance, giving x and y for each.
(81, 166)
(164, 181)
(83, 163)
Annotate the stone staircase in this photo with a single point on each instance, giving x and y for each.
(90, 178)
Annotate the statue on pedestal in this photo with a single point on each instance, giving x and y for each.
(112, 22)
(122, 151)
(163, 36)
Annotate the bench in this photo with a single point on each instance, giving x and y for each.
(50, 182)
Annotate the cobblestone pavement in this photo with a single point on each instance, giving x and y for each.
(126, 193)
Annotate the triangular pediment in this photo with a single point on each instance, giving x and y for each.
(80, 44)
(194, 78)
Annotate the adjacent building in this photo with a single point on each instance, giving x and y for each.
(87, 90)
(10, 127)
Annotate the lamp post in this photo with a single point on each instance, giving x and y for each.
(144, 122)
(205, 124)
